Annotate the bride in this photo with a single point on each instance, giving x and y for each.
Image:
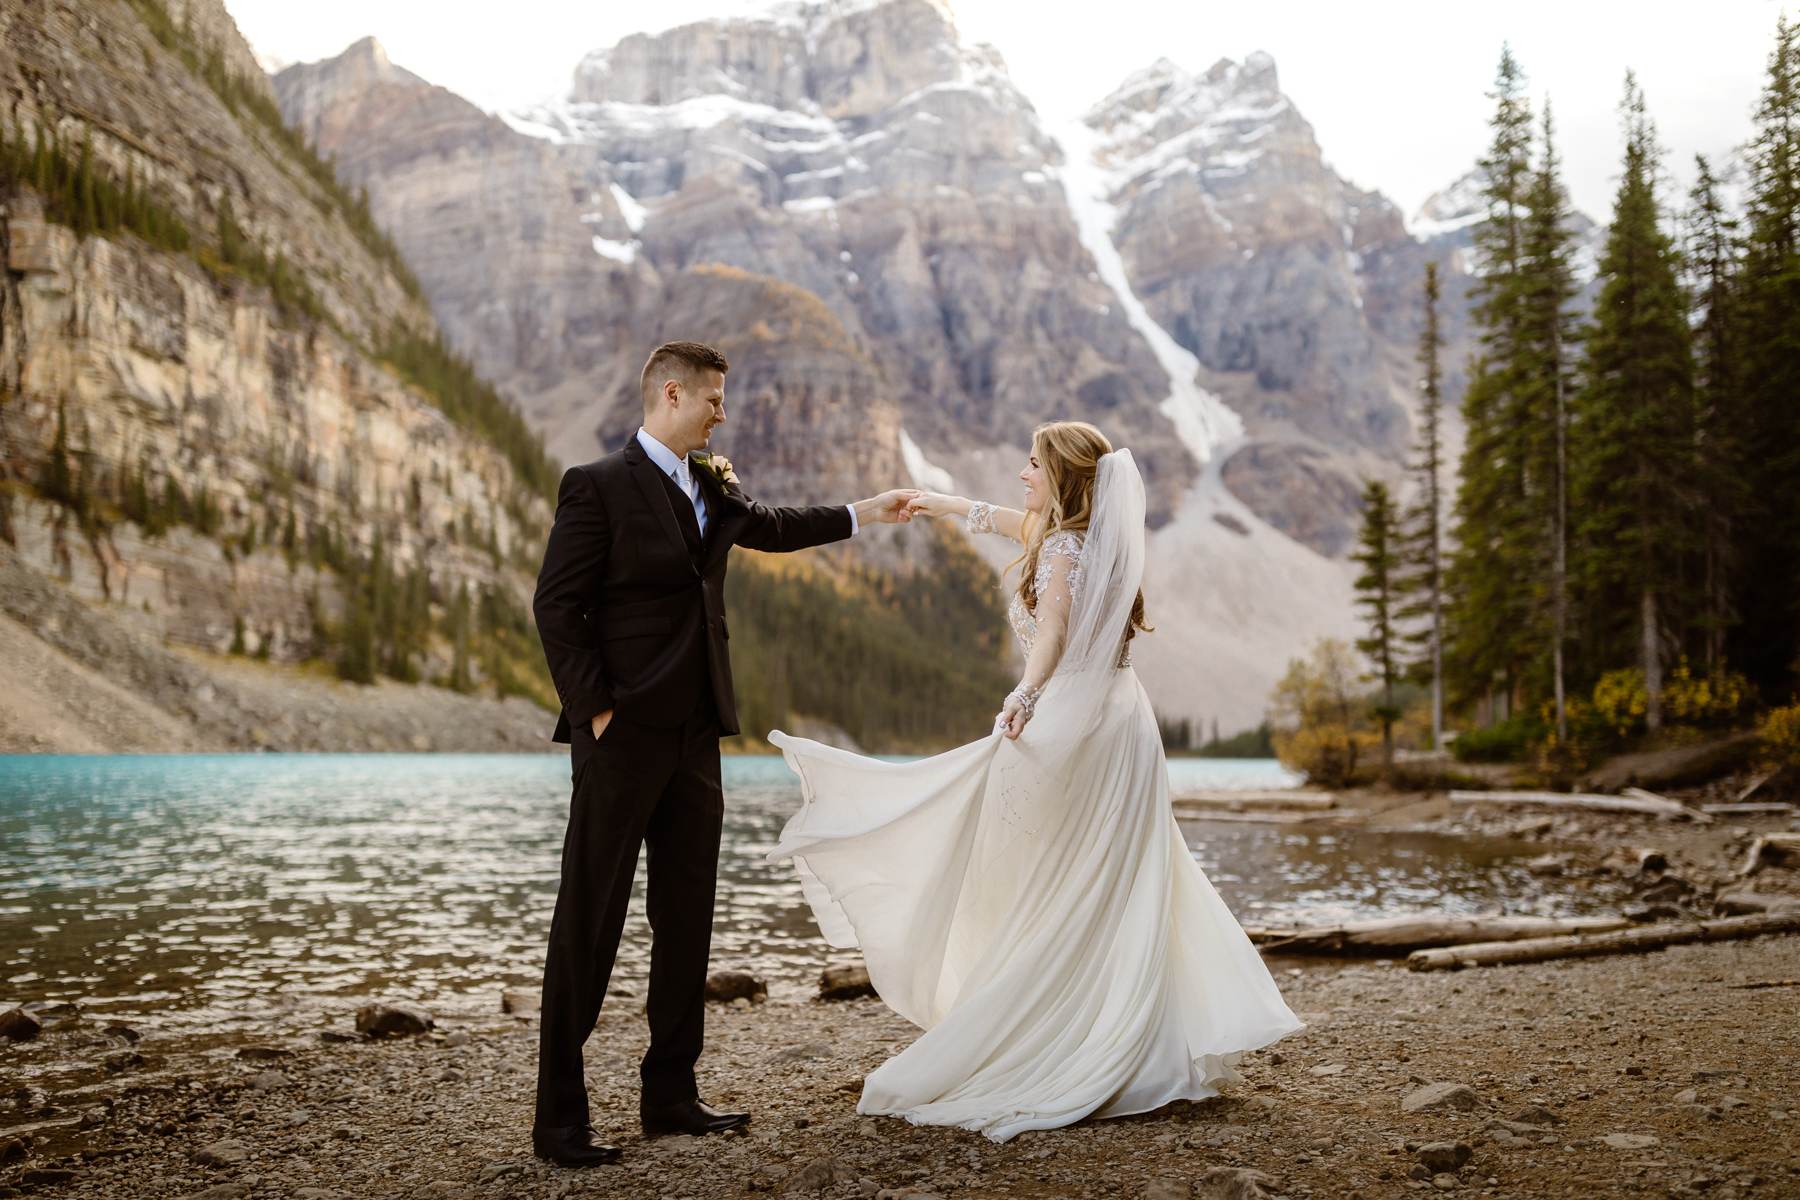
(1027, 899)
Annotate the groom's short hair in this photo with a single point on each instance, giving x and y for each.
(678, 359)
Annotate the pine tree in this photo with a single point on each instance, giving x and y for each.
(1422, 533)
(1768, 577)
(460, 631)
(1720, 460)
(1376, 591)
(1550, 334)
(1635, 417)
(1499, 530)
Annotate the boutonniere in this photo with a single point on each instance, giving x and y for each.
(719, 466)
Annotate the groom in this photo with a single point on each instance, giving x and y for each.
(630, 606)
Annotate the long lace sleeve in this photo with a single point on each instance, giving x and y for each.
(980, 518)
(1057, 580)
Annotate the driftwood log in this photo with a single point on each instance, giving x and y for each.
(1396, 935)
(1626, 941)
(1235, 801)
(1753, 808)
(1656, 806)
(1257, 816)
(1737, 904)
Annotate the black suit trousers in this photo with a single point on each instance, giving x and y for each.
(637, 785)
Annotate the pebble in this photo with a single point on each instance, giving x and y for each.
(804, 1052)
(1631, 1141)
(735, 985)
(221, 1191)
(122, 1060)
(1437, 1097)
(261, 1053)
(1233, 1183)
(818, 1175)
(501, 1170)
(1443, 1182)
(228, 1152)
(45, 1176)
(1442, 1157)
(1167, 1188)
(268, 1081)
(1536, 1114)
(521, 1003)
(1328, 1069)
(1687, 1096)
(457, 1038)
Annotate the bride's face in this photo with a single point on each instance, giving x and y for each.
(1037, 485)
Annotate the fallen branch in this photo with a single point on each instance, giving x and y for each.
(1395, 935)
(1756, 785)
(1628, 941)
(1773, 808)
(1757, 984)
(1686, 810)
(1771, 848)
(1654, 805)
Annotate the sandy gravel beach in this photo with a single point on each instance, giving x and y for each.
(1667, 1074)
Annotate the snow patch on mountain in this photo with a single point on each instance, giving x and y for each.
(1202, 421)
(924, 472)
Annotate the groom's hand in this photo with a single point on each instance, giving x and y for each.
(600, 722)
(889, 508)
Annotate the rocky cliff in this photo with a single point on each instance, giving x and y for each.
(221, 406)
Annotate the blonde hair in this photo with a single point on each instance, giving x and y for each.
(1069, 452)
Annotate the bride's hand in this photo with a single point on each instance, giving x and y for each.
(1012, 718)
(934, 504)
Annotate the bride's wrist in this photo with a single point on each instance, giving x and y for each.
(1026, 696)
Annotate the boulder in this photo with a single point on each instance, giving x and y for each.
(846, 981)
(19, 1025)
(392, 1020)
(1438, 1097)
(1442, 1157)
(735, 985)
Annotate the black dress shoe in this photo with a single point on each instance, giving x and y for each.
(687, 1116)
(572, 1146)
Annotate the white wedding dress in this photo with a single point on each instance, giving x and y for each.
(1031, 903)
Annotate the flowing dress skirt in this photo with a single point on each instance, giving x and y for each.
(1034, 908)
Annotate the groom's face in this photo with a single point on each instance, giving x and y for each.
(699, 406)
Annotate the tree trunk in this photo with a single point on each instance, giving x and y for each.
(1652, 665)
(1395, 935)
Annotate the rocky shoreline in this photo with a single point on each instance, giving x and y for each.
(1668, 1074)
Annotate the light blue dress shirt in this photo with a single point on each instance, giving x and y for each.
(681, 472)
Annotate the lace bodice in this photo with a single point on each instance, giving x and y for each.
(1063, 544)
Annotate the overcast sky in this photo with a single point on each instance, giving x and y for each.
(1393, 88)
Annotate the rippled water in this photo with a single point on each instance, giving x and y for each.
(210, 885)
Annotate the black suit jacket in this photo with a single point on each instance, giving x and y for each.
(631, 612)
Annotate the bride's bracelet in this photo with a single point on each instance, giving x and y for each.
(1027, 696)
(980, 518)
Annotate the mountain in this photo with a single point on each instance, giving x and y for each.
(1181, 266)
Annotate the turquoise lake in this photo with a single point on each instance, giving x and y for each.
(202, 887)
